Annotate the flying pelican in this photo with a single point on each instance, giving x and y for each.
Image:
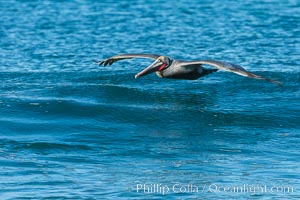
(165, 67)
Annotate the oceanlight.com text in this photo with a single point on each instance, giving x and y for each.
(158, 188)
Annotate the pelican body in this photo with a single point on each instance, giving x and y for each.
(165, 67)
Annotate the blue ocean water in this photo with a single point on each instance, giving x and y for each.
(73, 130)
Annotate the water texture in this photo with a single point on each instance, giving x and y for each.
(73, 130)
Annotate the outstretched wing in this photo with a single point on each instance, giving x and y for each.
(237, 69)
(113, 59)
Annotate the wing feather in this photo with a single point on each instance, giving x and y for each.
(111, 60)
(237, 69)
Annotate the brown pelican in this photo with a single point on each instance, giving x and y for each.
(165, 67)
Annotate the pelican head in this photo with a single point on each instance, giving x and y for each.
(160, 64)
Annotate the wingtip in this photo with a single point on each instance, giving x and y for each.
(277, 83)
(101, 62)
(251, 75)
(98, 62)
(274, 82)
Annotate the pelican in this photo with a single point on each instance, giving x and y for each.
(165, 67)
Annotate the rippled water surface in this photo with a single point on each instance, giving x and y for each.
(73, 130)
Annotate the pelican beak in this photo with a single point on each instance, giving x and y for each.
(152, 68)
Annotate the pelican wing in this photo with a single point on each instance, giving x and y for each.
(237, 69)
(113, 59)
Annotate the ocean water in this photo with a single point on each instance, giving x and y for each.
(73, 130)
